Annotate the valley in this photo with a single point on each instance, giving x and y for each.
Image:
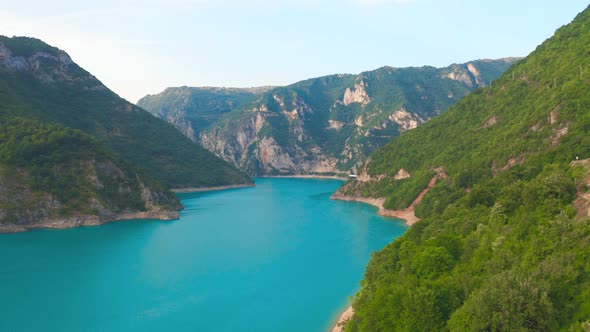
(320, 126)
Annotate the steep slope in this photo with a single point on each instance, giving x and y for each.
(41, 81)
(501, 246)
(192, 109)
(327, 125)
(52, 176)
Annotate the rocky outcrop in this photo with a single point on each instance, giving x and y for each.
(460, 74)
(404, 119)
(364, 175)
(336, 125)
(357, 95)
(233, 148)
(474, 73)
(401, 174)
(490, 122)
(47, 65)
(271, 155)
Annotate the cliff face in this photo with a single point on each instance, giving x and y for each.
(264, 143)
(324, 125)
(192, 109)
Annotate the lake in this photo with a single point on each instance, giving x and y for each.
(280, 256)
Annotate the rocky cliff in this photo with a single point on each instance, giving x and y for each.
(324, 125)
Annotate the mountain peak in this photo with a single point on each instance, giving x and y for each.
(46, 63)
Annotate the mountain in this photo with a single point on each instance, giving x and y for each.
(192, 109)
(500, 181)
(53, 176)
(42, 82)
(323, 125)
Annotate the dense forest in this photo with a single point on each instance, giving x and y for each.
(503, 244)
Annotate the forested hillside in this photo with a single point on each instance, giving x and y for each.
(42, 82)
(52, 176)
(503, 244)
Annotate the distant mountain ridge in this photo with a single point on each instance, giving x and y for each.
(192, 109)
(324, 125)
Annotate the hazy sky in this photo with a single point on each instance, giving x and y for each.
(140, 47)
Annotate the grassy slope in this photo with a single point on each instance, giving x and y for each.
(500, 247)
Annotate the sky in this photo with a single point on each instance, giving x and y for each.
(140, 47)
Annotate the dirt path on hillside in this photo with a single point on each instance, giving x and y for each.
(406, 214)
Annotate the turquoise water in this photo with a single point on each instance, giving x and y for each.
(277, 257)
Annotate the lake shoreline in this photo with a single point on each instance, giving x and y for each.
(344, 317)
(407, 215)
(90, 220)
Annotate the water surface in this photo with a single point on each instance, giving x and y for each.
(277, 257)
